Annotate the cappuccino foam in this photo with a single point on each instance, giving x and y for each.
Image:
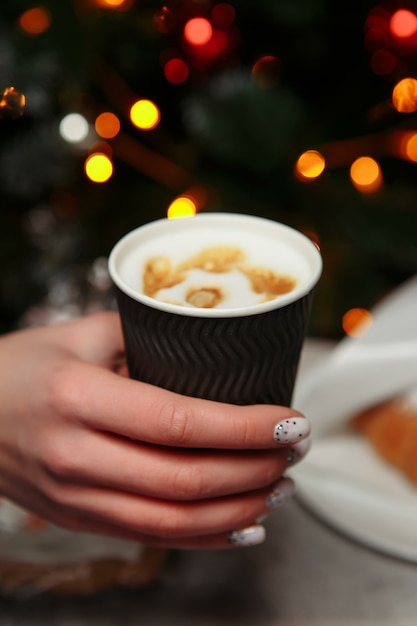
(217, 276)
(215, 265)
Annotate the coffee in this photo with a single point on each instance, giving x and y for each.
(215, 264)
(216, 306)
(178, 285)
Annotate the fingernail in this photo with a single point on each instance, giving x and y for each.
(291, 430)
(298, 451)
(283, 490)
(249, 536)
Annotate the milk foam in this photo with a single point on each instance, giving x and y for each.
(264, 243)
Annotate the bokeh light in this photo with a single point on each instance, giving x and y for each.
(176, 71)
(408, 146)
(74, 128)
(98, 167)
(404, 95)
(35, 21)
(198, 31)
(356, 322)
(266, 71)
(376, 28)
(145, 115)
(310, 165)
(120, 5)
(107, 125)
(12, 103)
(403, 24)
(383, 62)
(183, 206)
(365, 174)
(223, 15)
(165, 20)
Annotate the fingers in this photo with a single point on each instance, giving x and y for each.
(128, 408)
(211, 523)
(96, 338)
(143, 412)
(98, 459)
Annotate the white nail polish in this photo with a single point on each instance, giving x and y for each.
(291, 430)
(283, 490)
(298, 451)
(249, 536)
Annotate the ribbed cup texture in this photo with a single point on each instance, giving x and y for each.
(241, 360)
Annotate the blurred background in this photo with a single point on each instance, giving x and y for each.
(114, 113)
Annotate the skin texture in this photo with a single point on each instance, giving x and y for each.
(89, 449)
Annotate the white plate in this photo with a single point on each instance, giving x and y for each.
(342, 480)
(345, 484)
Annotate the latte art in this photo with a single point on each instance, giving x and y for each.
(216, 276)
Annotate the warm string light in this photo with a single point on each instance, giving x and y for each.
(356, 322)
(188, 203)
(310, 165)
(181, 207)
(365, 174)
(408, 146)
(202, 41)
(118, 5)
(129, 149)
(390, 37)
(12, 103)
(35, 21)
(145, 114)
(107, 125)
(98, 167)
(404, 95)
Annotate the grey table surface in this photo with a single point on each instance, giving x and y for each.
(305, 574)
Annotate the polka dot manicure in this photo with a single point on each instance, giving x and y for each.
(291, 430)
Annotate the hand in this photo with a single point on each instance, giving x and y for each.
(89, 449)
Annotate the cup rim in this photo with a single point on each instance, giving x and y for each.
(239, 218)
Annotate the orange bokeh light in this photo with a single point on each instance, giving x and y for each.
(366, 175)
(35, 21)
(107, 125)
(409, 147)
(403, 24)
(123, 5)
(198, 31)
(356, 322)
(404, 95)
(310, 165)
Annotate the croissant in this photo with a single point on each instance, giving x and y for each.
(391, 429)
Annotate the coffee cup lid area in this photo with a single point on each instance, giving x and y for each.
(215, 265)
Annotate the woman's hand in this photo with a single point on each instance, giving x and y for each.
(89, 449)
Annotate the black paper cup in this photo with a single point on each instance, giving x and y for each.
(244, 351)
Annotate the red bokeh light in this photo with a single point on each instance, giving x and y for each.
(176, 71)
(383, 62)
(198, 31)
(223, 15)
(403, 24)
